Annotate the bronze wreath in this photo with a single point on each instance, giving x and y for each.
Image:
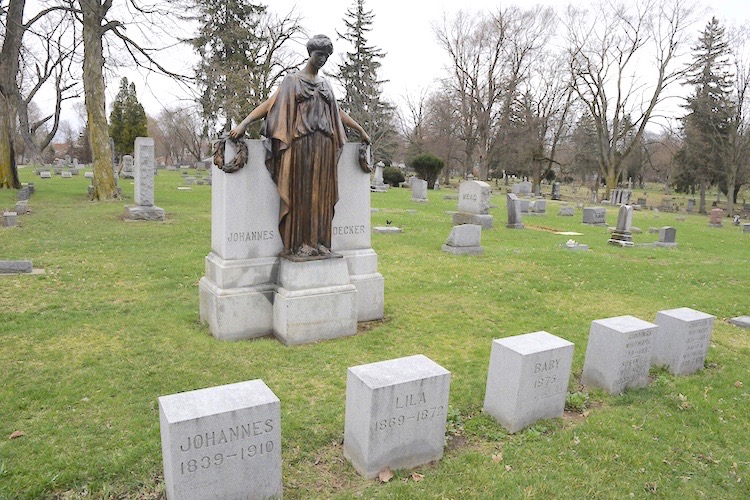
(240, 157)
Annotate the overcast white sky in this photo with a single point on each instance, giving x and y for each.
(402, 29)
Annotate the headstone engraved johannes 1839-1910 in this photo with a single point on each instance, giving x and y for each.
(682, 340)
(396, 412)
(222, 442)
(618, 354)
(527, 379)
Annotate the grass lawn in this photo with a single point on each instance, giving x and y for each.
(87, 348)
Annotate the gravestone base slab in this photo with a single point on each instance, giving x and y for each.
(665, 244)
(236, 313)
(483, 220)
(473, 250)
(238, 273)
(370, 284)
(315, 301)
(621, 238)
(387, 230)
(514, 226)
(138, 212)
(741, 321)
(715, 225)
(15, 266)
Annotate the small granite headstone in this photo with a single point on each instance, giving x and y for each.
(419, 190)
(514, 212)
(45, 174)
(66, 175)
(618, 354)
(474, 204)
(524, 204)
(464, 239)
(22, 207)
(9, 219)
(567, 211)
(556, 191)
(682, 340)
(127, 170)
(88, 175)
(396, 412)
(746, 228)
(527, 379)
(222, 442)
(715, 217)
(538, 207)
(667, 237)
(521, 188)
(623, 235)
(387, 230)
(595, 215)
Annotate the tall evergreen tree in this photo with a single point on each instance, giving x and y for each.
(358, 74)
(706, 126)
(127, 120)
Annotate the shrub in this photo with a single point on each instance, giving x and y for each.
(393, 176)
(428, 168)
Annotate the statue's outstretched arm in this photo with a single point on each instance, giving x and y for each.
(349, 122)
(260, 112)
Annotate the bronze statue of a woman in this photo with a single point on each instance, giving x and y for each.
(304, 131)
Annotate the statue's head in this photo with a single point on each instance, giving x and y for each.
(320, 43)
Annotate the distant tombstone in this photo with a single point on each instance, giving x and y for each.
(474, 204)
(15, 266)
(567, 211)
(222, 442)
(22, 207)
(746, 228)
(715, 217)
(595, 215)
(521, 188)
(144, 183)
(524, 205)
(667, 237)
(538, 206)
(682, 340)
(396, 412)
(556, 191)
(31, 188)
(623, 234)
(618, 354)
(127, 171)
(419, 190)
(527, 379)
(514, 212)
(24, 194)
(199, 165)
(642, 202)
(9, 219)
(88, 175)
(690, 205)
(189, 180)
(66, 175)
(387, 230)
(379, 185)
(171, 168)
(740, 321)
(464, 239)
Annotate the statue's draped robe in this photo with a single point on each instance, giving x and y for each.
(304, 136)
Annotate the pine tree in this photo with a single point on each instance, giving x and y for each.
(358, 74)
(127, 120)
(706, 126)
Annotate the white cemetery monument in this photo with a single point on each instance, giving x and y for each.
(473, 204)
(248, 291)
(144, 208)
(396, 412)
(222, 442)
(618, 354)
(379, 186)
(682, 340)
(527, 379)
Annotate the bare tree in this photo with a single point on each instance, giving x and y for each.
(179, 134)
(738, 164)
(608, 46)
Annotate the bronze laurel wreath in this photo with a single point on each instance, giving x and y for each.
(240, 157)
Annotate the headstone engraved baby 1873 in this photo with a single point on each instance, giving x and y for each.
(618, 354)
(682, 340)
(473, 204)
(527, 379)
(222, 442)
(396, 412)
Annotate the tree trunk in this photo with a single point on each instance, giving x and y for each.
(9, 58)
(8, 171)
(731, 181)
(93, 87)
(702, 202)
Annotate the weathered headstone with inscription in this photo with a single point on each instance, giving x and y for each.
(127, 171)
(715, 217)
(474, 204)
(623, 234)
(521, 188)
(527, 379)
(595, 215)
(222, 442)
(144, 208)
(396, 412)
(9, 218)
(419, 190)
(567, 211)
(514, 212)
(682, 340)
(618, 354)
(464, 239)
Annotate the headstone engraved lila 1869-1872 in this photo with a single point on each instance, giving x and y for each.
(527, 379)
(396, 412)
(222, 442)
(682, 340)
(618, 354)
(474, 204)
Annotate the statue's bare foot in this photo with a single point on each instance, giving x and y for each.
(306, 251)
(322, 250)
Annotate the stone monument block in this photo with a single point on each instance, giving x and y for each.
(538, 206)
(567, 211)
(9, 219)
(667, 237)
(623, 234)
(222, 442)
(527, 379)
(740, 321)
(514, 212)
(521, 188)
(474, 204)
(746, 228)
(15, 266)
(144, 183)
(419, 190)
(45, 174)
(618, 354)
(525, 205)
(715, 217)
(127, 170)
(682, 340)
(396, 412)
(595, 215)
(464, 239)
